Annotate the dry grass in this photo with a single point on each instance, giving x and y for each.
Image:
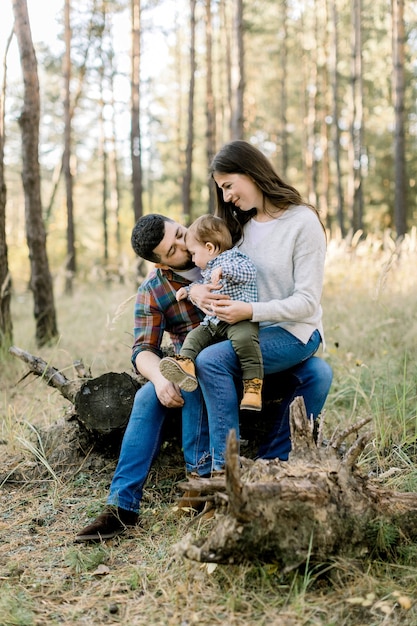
(371, 327)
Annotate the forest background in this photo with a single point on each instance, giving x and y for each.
(135, 99)
(129, 119)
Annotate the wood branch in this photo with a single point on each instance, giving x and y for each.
(51, 375)
(338, 438)
(81, 370)
(316, 506)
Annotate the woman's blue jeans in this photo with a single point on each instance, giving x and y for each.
(142, 439)
(219, 375)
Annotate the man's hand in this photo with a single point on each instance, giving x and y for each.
(168, 393)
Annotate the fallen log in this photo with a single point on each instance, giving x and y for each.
(315, 507)
(102, 405)
(89, 435)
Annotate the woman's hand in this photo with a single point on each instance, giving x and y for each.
(202, 296)
(232, 311)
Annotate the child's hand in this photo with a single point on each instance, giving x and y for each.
(216, 277)
(181, 294)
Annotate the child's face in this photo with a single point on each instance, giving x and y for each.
(201, 253)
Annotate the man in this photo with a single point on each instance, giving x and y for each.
(161, 240)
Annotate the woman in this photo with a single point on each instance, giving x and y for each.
(285, 239)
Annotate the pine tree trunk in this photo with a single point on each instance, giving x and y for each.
(6, 326)
(400, 207)
(334, 60)
(187, 178)
(238, 113)
(210, 106)
(41, 280)
(135, 133)
(70, 265)
(357, 130)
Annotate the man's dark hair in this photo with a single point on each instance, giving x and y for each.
(147, 234)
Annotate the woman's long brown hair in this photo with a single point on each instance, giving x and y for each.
(241, 157)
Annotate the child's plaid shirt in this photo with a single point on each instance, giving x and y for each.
(238, 278)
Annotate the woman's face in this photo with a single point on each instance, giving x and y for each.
(240, 190)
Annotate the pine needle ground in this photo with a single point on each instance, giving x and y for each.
(370, 319)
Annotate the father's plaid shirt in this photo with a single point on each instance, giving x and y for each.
(157, 311)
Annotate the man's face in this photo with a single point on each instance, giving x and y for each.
(172, 249)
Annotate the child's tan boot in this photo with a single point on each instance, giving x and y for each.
(252, 398)
(179, 370)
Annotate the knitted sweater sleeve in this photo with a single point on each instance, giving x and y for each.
(290, 274)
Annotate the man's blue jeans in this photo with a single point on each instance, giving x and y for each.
(219, 375)
(142, 441)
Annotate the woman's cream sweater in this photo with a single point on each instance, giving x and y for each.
(290, 268)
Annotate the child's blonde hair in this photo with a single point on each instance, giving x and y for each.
(211, 229)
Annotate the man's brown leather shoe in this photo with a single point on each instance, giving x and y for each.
(112, 522)
(190, 501)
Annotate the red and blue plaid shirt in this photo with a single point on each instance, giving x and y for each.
(157, 311)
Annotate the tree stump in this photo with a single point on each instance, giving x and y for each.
(314, 507)
(104, 404)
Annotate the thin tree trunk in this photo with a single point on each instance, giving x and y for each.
(284, 90)
(357, 117)
(179, 109)
(225, 73)
(210, 106)
(238, 114)
(41, 280)
(325, 113)
(115, 179)
(186, 184)
(102, 139)
(114, 173)
(335, 122)
(400, 205)
(135, 133)
(73, 105)
(311, 74)
(6, 325)
(66, 160)
(103, 159)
